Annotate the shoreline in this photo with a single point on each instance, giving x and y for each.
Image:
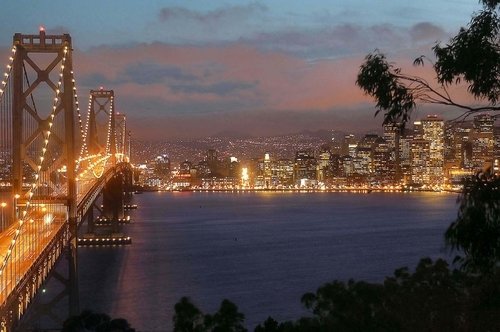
(303, 190)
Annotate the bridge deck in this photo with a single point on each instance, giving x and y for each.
(32, 241)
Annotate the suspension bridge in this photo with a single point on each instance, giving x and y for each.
(57, 169)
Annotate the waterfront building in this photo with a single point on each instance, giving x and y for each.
(267, 172)
(392, 137)
(304, 166)
(382, 163)
(324, 164)
(284, 171)
(162, 166)
(420, 159)
(433, 132)
(336, 165)
(418, 131)
(482, 142)
(219, 183)
(349, 145)
(202, 169)
(347, 166)
(405, 157)
(233, 167)
(212, 160)
(363, 161)
(458, 148)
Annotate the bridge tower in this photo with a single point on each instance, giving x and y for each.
(107, 136)
(101, 137)
(42, 66)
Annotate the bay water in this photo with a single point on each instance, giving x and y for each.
(261, 250)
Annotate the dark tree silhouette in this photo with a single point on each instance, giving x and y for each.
(476, 232)
(472, 56)
(89, 321)
(226, 319)
(187, 317)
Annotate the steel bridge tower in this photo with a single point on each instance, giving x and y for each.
(48, 60)
(102, 108)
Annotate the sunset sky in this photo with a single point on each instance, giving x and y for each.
(192, 68)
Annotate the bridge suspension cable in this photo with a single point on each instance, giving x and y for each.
(29, 210)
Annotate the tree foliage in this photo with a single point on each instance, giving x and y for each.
(432, 298)
(472, 56)
(188, 318)
(89, 321)
(476, 232)
(380, 79)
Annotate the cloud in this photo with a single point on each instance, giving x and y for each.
(160, 80)
(223, 88)
(426, 31)
(229, 13)
(345, 39)
(94, 80)
(151, 73)
(274, 81)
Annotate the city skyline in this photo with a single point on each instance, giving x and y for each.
(432, 155)
(189, 69)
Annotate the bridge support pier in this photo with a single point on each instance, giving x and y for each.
(112, 200)
(105, 230)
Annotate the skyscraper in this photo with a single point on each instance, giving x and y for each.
(392, 136)
(433, 132)
(482, 141)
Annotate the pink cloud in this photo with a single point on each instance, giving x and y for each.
(189, 90)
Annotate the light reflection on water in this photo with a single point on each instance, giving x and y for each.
(260, 250)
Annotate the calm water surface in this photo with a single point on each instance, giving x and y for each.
(260, 250)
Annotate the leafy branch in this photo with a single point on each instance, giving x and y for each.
(472, 56)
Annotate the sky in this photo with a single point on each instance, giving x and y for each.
(194, 68)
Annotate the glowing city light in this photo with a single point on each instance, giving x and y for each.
(48, 218)
(244, 174)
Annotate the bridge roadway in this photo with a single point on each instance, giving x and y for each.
(33, 241)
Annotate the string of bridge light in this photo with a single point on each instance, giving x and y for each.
(35, 184)
(94, 163)
(7, 73)
(83, 149)
(111, 114)
(84, 153)
(116, 142)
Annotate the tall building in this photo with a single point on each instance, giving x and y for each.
(363, 160)
(304, 166)
(324, 164)
(405, 157)
(433, 132)
(482, 141)
(392, 136)
(284, 170)
(382, 163)
(458, 144)
(420, 160)
(267, 171)
(418, 131)
(212, 160)
(349, 145)
(162, 166)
